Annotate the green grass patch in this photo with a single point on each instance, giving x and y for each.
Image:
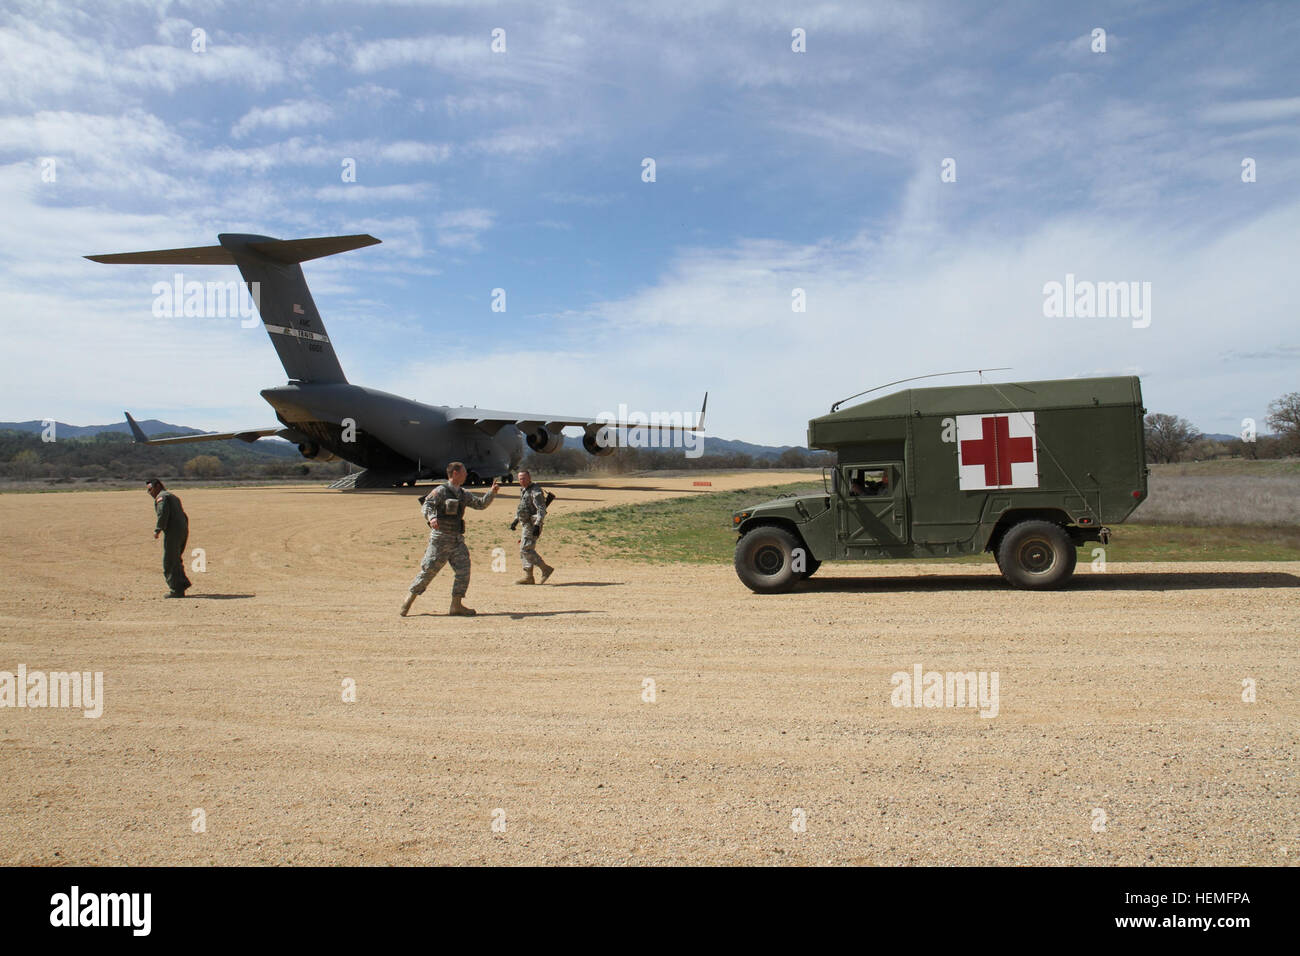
(1168, 542)
(694, 528)
(697, 529)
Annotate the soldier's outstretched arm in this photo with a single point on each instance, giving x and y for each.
(480, 503)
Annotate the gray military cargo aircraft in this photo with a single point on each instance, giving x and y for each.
(394, 440)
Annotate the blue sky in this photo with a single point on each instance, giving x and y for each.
(775, 170)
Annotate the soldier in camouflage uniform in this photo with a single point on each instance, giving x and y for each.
(174, 526)
(444, 509)
(531, 513)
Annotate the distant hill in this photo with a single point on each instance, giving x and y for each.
(275, 448)
(151, 428)
(156, 429)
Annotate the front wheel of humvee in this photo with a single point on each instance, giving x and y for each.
(1037, 555)
(811, 565)
(765, 560)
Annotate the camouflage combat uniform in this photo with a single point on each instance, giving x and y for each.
(531, 512)
(447, 541)
(175, 526)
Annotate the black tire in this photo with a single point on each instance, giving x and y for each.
(811, 565)
(1037, 556)
(764, 559)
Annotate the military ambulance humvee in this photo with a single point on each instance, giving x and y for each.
(1026, 470)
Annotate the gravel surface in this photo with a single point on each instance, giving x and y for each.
(1120, 737)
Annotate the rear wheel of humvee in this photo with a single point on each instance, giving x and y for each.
(1037, 555)
(765, 560)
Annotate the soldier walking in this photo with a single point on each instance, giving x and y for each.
(530, 513)
(444, 509)
(174, 526)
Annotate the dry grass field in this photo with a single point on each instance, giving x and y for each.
(1121, 735)
(1181, 494)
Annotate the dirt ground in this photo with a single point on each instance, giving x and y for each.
(525, 736)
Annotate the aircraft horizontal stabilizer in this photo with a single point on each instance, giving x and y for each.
(248, 435)
(281, 250)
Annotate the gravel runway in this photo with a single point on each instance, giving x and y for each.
(623, 713)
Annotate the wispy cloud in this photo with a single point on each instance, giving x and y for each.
(288, 115)
(778, 170)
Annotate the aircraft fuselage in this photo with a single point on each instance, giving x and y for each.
(387, 433)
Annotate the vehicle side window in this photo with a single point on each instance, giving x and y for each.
(868, 482)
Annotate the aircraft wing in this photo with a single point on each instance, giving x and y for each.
(493, 421)
(248, 435)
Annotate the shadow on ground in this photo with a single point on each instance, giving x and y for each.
(586, 584)
(1114, 581)
(515, 615)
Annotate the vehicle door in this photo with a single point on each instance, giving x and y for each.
(873, 509)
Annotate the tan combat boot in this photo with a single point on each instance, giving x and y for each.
(460, 610)
(547, 571)
(406, 605)
(527, 578)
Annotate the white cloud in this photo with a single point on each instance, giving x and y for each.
(357, 193)
(40, 66)
(1252, 111)
(460, 229)
(441, 52)
(286, 115)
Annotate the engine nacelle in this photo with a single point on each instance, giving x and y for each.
(544, 442)
(593, 446)
(309, 449)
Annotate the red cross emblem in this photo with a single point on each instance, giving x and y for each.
(996, 450)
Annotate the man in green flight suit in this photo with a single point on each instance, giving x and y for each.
(174, 526)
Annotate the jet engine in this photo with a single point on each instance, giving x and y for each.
(593, 446)
(544, 442)
(309, 449)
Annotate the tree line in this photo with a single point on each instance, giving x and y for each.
(112, 455)
(1170, 438)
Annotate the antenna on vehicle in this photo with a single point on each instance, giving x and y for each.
(966, 371)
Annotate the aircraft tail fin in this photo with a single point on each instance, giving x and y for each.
(271, 270)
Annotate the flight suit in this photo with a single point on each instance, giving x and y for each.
(175, 528)
(447, 541)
